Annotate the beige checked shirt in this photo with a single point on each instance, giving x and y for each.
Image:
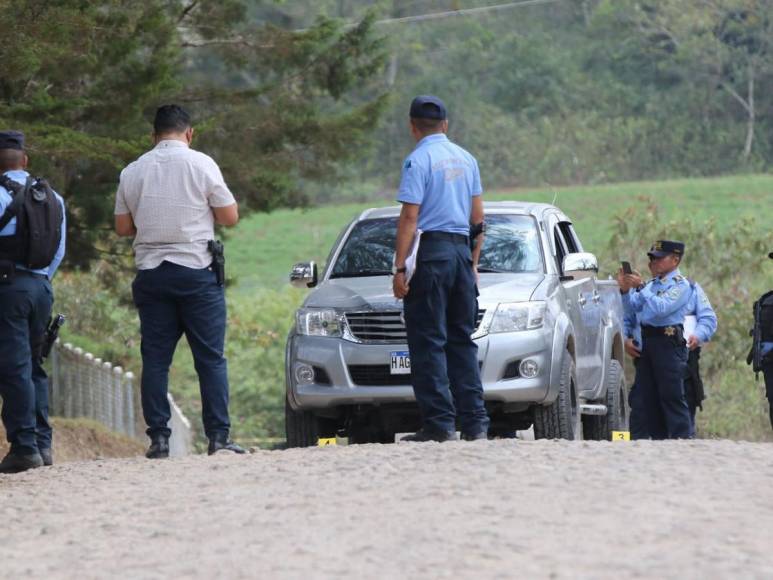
(170, 192)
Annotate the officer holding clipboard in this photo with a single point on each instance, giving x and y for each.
(440, 191)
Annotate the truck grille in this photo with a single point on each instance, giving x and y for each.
(376, 376)
(384, 326)
(379, 376)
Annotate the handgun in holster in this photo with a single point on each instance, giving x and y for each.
(218, 260)
(475, 231)
(52, 333)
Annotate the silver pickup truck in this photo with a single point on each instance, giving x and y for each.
(549, 335)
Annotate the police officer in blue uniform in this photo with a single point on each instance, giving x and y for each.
(26, 298)
(440, 190)
(661, 305)
(698, 306)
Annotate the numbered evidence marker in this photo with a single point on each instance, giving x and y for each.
(326, 441)
(621, 435)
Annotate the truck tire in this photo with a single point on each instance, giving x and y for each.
(301, 427)
(600, 427)
(561, 419)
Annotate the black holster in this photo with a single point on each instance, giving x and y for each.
(218, 260)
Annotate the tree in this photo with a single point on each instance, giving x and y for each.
(83, 78)
(725, 44)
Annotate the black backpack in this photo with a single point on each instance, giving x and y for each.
(762, 330)
(38, 223)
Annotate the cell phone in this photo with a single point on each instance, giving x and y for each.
(626, 267)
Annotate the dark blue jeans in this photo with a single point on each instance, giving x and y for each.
(660, 376)
(440, 312)
(174, 300)
(25, 307)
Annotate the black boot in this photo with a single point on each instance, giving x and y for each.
(47, 456)
(221, 442)
(17, 462)
(159, 447)
(423, 435)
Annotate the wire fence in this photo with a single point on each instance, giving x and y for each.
(83, 385)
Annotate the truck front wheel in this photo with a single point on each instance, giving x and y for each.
(301, 427)
(561, 419)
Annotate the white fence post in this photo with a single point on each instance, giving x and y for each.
(83, 385)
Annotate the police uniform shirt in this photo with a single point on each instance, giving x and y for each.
(20, 176)
(699, 306)
(442, 178)
(661, 302)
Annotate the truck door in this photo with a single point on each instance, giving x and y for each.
(579, 302)
(592, 315)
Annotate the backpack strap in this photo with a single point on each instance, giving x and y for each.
(19, 193)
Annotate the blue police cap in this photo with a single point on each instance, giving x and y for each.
(428, 107)
(12, 140)
(665, 247)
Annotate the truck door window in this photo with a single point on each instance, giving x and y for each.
(561, 249)
(572, 243)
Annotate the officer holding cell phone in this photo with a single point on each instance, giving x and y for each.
(658, 406)
(700, 308)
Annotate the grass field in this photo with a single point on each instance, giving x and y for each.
(264, 247)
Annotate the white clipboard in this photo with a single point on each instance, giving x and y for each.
(410, 261)
(690, 324)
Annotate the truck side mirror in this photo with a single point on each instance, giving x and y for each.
(580, 265)
(304, 275)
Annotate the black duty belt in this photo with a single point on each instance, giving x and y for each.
(20, 272)
(673, 330)
(446, 236)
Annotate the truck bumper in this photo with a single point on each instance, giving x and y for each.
(348, 373)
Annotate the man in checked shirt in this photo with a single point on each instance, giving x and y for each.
(169, 200)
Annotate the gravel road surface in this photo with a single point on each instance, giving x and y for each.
(485, 509)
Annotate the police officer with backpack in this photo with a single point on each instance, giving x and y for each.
(761, 353)
(32, 234)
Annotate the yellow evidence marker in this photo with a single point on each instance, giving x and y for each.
(621, 435)
(328, 441)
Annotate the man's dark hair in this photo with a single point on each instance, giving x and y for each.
(171, 119)
(11, 159)
(427, 125)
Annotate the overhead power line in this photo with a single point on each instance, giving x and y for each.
(465, 11)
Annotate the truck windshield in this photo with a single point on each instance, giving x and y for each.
(512, 246)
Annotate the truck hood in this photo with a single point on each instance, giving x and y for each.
(375, 292)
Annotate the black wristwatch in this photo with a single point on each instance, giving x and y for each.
(402, 270)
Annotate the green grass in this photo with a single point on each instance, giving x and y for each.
(264, 247)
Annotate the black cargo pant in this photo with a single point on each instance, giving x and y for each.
(440, 313)
(660, 376)
(25, 307)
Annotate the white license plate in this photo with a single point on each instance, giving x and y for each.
(399, 362)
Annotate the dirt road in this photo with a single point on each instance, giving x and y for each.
(500, 509)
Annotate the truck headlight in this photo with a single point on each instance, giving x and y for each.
(517, 316)
(319, 322)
